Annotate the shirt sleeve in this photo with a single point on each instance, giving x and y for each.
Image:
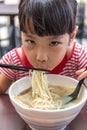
(82, 58)
(8, 59)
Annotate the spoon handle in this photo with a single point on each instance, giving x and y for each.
(77, 88)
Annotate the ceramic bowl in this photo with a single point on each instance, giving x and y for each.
(47, 119)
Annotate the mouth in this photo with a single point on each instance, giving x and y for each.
(43, 66)
(43, 69)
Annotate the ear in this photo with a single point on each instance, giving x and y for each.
(73, 34)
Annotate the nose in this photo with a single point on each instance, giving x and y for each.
(41, 55)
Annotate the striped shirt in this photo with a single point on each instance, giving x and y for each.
(68, 67)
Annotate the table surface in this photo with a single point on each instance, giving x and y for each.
(10, 120)
(8, 9)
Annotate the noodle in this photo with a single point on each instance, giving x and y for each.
(42, 97)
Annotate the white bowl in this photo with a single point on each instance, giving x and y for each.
(47, 119)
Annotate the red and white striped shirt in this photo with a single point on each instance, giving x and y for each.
(68, 67)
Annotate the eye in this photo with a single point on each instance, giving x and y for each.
(30, 42)
(54, 43)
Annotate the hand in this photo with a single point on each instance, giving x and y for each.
(82, 73)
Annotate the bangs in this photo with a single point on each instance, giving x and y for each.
(48, 18)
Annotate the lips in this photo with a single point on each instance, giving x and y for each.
(43, 67)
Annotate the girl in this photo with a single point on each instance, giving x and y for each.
(48, 31)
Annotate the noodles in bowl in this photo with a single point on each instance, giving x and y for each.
(41, 95)
(45, 119)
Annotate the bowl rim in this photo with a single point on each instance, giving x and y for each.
(45, 111)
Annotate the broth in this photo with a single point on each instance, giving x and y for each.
(25, 97)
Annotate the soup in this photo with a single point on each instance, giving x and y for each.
(42, 95)
(25, 98)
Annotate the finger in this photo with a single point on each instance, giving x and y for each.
(82, 75)
(78, 72)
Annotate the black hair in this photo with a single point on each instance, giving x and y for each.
(49, 17)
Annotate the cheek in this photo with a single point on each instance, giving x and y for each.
(29, 52)
(57, 56)
(31, 56)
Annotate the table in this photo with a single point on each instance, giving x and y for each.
(10, 120)
(10, 10)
